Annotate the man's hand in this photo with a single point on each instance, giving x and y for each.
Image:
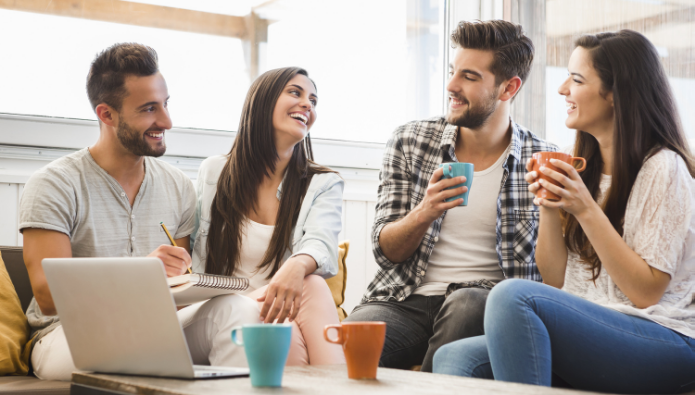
(434, 203)
(400, 239)
(176, 259)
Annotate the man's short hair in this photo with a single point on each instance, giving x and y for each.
(513, 51)
(106, 79)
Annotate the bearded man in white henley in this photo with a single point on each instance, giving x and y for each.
(108, 200)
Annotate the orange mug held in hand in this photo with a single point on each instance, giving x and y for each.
(362, 343)
(543, 159)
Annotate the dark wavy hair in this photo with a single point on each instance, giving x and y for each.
(252, 158)
(646, 120)
(106, 78)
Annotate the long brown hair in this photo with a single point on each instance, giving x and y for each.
(253, 156)
(646, 121)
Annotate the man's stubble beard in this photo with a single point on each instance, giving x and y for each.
(135, 141)
(475, 117)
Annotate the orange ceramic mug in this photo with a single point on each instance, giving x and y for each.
(543, 159)
(362, 343)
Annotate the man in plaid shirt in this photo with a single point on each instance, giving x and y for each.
(432, 296)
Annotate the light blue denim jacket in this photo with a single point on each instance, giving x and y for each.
(316, 231)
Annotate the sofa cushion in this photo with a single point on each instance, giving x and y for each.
(14, 329)
(14, 263)
(337, 284)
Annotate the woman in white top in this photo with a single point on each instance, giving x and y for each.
(266, 211)
(616, 251)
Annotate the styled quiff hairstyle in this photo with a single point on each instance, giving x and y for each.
(513, 51)
(106, 78)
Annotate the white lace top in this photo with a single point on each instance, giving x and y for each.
(660, 227)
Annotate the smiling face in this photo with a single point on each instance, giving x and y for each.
(144, 116)
(589, 107)
(295, 111)
(472, 88)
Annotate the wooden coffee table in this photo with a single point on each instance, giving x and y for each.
(328, 379)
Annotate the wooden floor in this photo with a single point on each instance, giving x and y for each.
(328, 380)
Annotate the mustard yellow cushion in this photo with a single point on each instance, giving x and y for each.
(14, 329)
(337, 284)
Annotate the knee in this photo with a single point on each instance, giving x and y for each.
(316, 285)
(232, 310)
(511, 291)
(369, 312)
(467, 301)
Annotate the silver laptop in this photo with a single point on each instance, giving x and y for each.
(119, 317)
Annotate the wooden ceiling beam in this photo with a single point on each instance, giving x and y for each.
(137, 14)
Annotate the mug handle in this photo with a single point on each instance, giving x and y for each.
(447, 171)
(235, 338)
(581, 169)
(339, 330)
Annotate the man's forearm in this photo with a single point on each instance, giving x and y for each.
(399, 240)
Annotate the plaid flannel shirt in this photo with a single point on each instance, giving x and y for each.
(413, 153)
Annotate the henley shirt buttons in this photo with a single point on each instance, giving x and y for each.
(132, 238)
(132, 217)
(122, 193)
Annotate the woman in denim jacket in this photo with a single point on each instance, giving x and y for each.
(267, 212)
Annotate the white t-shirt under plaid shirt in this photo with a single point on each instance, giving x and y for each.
(413, 153)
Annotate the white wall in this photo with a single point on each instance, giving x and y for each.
(22, 151)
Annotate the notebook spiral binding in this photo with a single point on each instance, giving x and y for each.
(222, 282)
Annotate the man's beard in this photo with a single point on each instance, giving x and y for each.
(136, 142)
(474, 117)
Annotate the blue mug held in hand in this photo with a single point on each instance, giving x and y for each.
(457, 169)
(266, 347)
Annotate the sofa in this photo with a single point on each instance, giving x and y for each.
(14, 262)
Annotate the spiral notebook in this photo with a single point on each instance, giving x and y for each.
(192, 288)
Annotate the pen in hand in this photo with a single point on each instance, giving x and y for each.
(171, 239)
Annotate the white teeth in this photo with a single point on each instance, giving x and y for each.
(571, 105)
(299, 116)
(155, 135)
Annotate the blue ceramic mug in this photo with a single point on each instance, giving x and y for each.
(457, 169)
(266, 347)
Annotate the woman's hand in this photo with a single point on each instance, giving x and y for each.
(574, 197)
(284, 293)
(531, 177)
(551, 255)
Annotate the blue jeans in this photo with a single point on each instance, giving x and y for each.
(534, 331)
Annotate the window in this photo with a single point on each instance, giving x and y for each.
(376, 64)
(668, 24)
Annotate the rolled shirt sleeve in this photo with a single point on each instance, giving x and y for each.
(48, 202)
(393, 202)
(319, 232)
